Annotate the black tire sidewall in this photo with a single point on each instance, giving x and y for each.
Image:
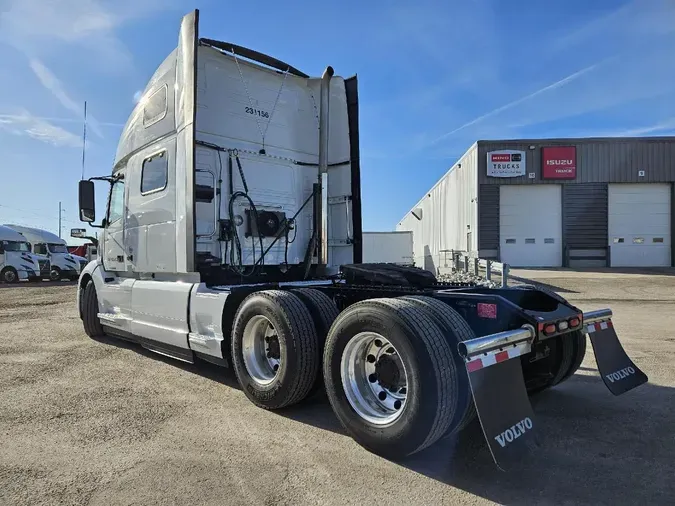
(57, 271)
(408, 432)
(279, 390)
(89, 305)
(10, 269)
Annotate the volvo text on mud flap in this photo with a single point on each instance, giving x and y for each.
(618, 372)
(499, 393)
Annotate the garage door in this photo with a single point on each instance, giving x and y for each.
(639, 225)
(530, 225)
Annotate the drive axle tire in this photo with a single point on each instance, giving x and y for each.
(458, 330)
(390, 376)
(324, 311)
(275, 349)
(562, 362)
(55, 274)
(89, 304)
(578, 339)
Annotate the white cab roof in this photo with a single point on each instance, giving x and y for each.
(8, 234)
(37, 235)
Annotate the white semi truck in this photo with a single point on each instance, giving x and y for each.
(232, 233)
(62, 264)
(16, 260)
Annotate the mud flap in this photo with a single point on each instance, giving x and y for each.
(618, 372)
(502, 403)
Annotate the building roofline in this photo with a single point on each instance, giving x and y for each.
(440, 180)
(577, 140)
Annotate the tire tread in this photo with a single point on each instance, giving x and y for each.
(461, 330)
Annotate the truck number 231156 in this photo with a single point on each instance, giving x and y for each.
(257, 112)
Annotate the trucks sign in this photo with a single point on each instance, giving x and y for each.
(506, 163)
(559, 162)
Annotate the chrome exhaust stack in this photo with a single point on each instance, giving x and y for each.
(322, 219)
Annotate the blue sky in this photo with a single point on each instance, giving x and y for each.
(434, 77)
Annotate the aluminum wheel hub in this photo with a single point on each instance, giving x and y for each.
(261, 350)
(374, 378)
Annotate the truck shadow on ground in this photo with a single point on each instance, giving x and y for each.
(592, 447)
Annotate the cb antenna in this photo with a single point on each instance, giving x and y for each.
(84, 137)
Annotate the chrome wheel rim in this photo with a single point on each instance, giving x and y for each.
(374, 378)
(54, 275)
(261, 350)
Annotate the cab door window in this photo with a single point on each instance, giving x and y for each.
(116, 209)
(41, 249)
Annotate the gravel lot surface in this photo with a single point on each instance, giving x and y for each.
(89, 422)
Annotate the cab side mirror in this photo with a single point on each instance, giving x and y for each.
(87, 203)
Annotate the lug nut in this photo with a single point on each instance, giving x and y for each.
(370, 359)
(382, 395)
(378, 343)
(397, 405)
(372, 378)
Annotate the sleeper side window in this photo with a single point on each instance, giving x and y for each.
(154, 173)
(155, 107)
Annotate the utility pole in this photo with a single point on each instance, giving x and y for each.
(59, 220)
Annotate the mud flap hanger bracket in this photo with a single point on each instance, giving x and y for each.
(498, 386)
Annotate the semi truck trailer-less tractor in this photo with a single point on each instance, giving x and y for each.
(232, 233)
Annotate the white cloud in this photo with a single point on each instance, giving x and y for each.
(54, 85)
(34, 27)
(37, 128)
(633, 44)
(521, 100)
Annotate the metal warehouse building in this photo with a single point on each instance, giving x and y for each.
(551, 203)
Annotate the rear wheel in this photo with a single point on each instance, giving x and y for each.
(89, 305)
(55, 274)
(9, 275)
(578, 339)
(390, 376)
(457, 330)
(275, 349)
(565, 354)
(323, 311)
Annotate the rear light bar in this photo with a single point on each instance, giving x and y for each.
(561, 326)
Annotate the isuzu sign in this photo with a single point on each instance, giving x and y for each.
(506, 163)
(559, 162)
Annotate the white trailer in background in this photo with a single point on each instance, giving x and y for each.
(388, 247)
(62, 264)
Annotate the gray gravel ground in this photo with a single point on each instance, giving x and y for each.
(88, 422)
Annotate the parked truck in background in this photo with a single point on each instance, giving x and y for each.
(388, 247)
(232, 233)
(62, 264)
(16, 260)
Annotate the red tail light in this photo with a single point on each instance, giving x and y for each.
(550, 328)
(574, 322)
